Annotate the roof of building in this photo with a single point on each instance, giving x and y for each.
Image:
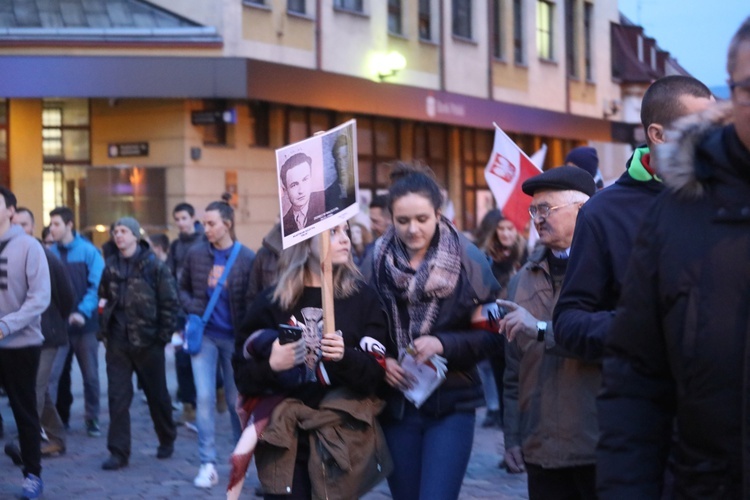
(98, 21)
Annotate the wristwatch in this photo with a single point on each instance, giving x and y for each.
(541, 329)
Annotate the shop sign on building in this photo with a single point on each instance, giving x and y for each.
(126, 149)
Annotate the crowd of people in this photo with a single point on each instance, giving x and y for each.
(612, 350)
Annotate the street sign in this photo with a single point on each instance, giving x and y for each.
(123, 149)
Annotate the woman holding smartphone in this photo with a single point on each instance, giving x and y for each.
(314, 370)
(431, 279)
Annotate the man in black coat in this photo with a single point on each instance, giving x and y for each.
(677, 355)
(607, 224)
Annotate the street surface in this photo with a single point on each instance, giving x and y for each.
(78, 474)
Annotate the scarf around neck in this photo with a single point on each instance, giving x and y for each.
(421, 289)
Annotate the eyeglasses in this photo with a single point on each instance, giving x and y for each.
(545, 210)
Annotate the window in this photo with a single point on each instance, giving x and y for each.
(462, 18)
(588, 39)
(518, 55)
(353, 5)
(66, 152)
(296, 6)
(377, 145)
(544, 19)
(571, 45)
(66, 131)
(255, 2)
(497, 29)
(431, 147)
(218, 133)
(394, 17)
(425, 30)
(476, 147)
(260, 123)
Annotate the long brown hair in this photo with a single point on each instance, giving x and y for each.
(293, 269)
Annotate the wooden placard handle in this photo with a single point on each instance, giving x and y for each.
(326, 277)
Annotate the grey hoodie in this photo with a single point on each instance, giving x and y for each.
(24, 289)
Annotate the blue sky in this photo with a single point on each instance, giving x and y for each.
(695, 32)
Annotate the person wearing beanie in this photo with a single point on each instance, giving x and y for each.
(548, 399)
(131, 224)
(138, 296)
(586, 158)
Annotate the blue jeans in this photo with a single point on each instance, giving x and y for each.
(430, 455)
(213, 351)
(85, 346)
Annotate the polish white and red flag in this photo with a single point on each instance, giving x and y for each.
(506, 170)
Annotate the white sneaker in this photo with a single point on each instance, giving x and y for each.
(207, 476)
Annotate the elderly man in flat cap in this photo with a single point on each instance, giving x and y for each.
(550, 411)
(139, 298)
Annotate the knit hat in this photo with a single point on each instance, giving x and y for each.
(585, 158)
(131, 224)
(561, 179)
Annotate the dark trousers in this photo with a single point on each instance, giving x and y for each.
(148, 362)
(18, 369)
(567, 483)
(64, 393)
(185, 384)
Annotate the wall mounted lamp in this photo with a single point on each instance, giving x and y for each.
(387, 65)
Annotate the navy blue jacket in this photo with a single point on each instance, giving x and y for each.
(604, 236)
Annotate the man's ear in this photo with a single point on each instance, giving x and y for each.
(656, 134)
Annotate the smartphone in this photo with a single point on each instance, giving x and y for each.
(289, 334)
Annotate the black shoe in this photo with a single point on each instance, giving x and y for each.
(12, 450)
(164, 451)
(114, 462)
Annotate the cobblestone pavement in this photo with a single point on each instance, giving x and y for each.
(78, 474)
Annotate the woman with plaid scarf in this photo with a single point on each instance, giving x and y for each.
(431, 279)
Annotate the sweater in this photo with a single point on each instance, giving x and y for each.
(24, 289)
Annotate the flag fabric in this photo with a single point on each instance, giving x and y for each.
(506, 170)
(538, 160)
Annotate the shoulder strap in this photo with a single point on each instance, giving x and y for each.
(3, 244)
(217, 291)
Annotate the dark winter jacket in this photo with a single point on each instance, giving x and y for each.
(147, 296)
(55, 318)
(84, 264)
(358, 316)
(193, 284)
(178, 249)
(678, 351)
(265, 267)
(462, 346)
(605, 232)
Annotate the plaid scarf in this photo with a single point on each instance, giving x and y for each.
(421, 289)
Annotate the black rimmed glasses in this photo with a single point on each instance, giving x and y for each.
(545, 210)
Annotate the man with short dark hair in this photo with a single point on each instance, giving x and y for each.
(190, 233)
(24, 295)
(139, 297)
(549, 400)
(84, 264)
(380, 216)
(297, 182)
(607, 225)
(678, 353)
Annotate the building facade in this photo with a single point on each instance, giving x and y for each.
(127, 106)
